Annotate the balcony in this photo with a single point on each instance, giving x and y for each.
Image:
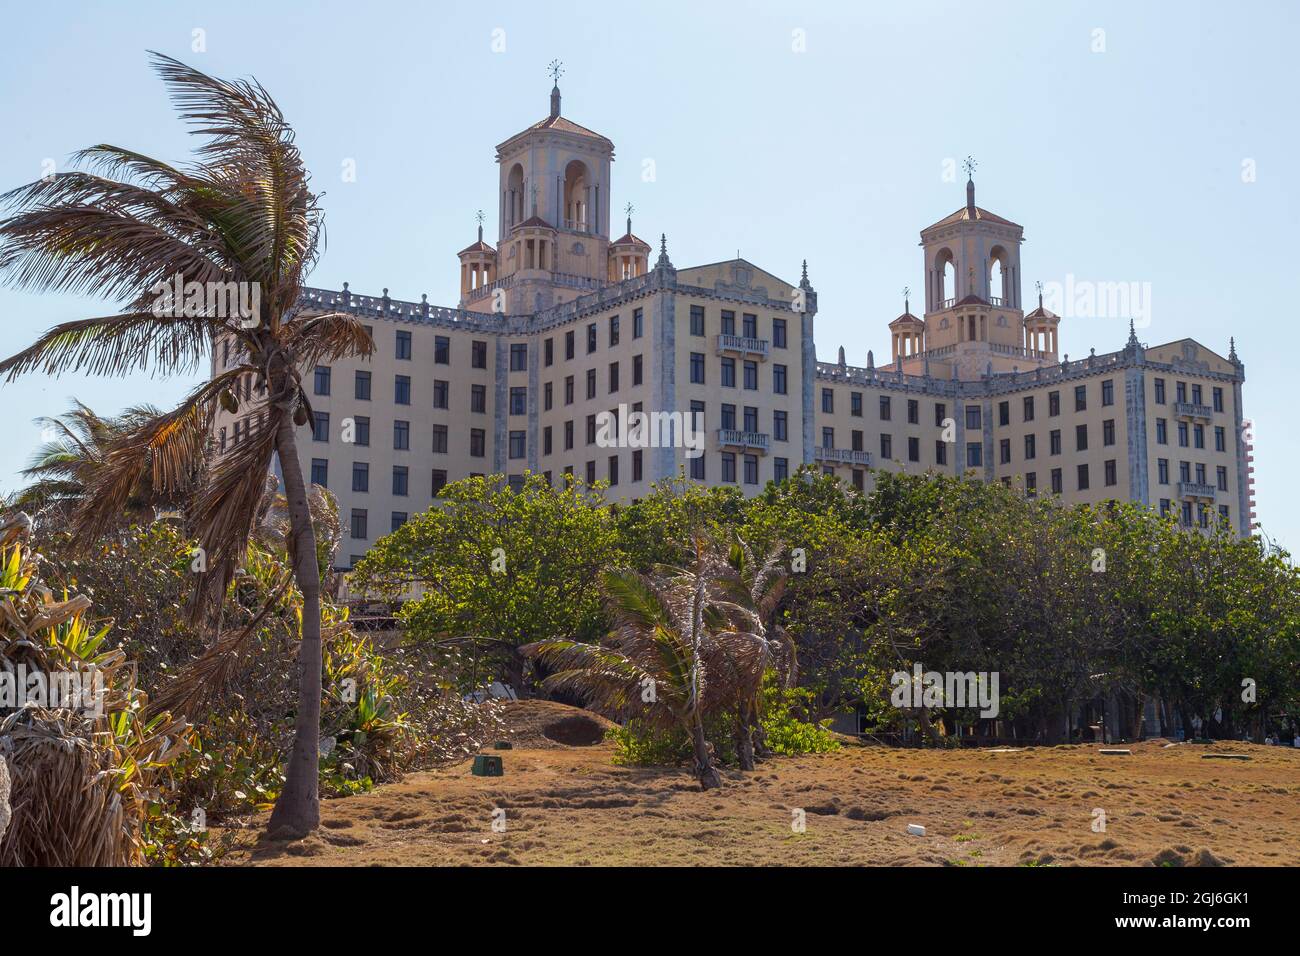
(742, 345)
(843, 456)
(1195, 489)
(742, 440)
(1192, 410)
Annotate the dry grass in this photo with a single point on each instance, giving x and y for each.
(569, 806)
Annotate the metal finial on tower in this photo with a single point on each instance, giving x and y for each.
(555, 69)
(1132, 336)
(969, 165)
(907, 308)
(629, 209)
(1039, 286)
(1232, 348)
(479, 217)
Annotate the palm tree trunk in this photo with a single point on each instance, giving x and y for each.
(297, 810)
(744, 740)
(705, 772)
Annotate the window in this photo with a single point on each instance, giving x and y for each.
(518, 357)
(358, 523)
(886, 447)
(1162, 470)
(546, 440)
(1182, 434)
(1080, 398)
(1218, 399)
(1029, 408)
(568, 390)
(1054, 442)
(591, 383)
(638, 329)
(941, 452)
(439, 481)
(441, 392)
(728, 373)
(361, 431)
(548, 396)
(478, 353)
(320, 427)
(591, 473)
(913, 412)
(1030, 450)
(974, 454)
(940, 414)
(478, 399)
(1198, 436)
(402, 389)
(749, 326)
(518, 444)
(1162, 432)
(518, 400)
(697, 320)
(885, 412)
(1108, 392)
(322, 380)
(361, 386)
(1004, 451)
(638, 372)
(613, 331)
(1180, 391)
(973, 418)
(828, 437)
(1108, 432)
(855, 404)
(1196, 395)
(636, 455)
(1081, 437)
(780, 469)
(728, 322)
(697, 468)
(1057, 484)
(399, 519)
(779, 426)
(1184, 471)
(591, 337)
(751, 376)
(360, 476)
(320, 472)
(828, 401)
(568, 435)
(729, 467)
(1220, 438)
(1031, 483)
(1160, 391)
(778, 333)
(913, 448)
(1004, 413)
(1187, 513)
(441, 350)
(697, 368)
(751, 469)
(403, 344)
(568, 345)
(440, 439)
(697, 416)
(591, 429)
(1083, 477)
(855, 440)
(477, 443)
(401, 435)
(613, 377)
(1112, 477)
(1221, 476)
(400, 478)
(728, 416)
(1053, 404)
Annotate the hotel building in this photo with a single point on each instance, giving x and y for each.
(560, 322)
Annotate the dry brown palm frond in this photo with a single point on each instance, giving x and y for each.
(327, 338)
(115, 345)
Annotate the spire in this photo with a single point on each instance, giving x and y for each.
(1232, 349)
(556, 70)
(663, 262)
(803, 281)
(970, 165)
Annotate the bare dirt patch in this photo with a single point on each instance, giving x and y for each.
(571, 806)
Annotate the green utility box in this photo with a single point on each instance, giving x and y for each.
(503, 745)
(488, 765)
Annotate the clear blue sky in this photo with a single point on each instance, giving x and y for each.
(1122, 165)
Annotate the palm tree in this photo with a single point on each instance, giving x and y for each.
(122, 228)
(657, 663)
(63, 468)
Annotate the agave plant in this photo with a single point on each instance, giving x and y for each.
(126, 227)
